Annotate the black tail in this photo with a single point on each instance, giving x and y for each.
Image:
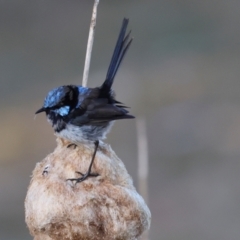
(120, 50)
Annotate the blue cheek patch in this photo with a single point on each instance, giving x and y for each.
(63, 111)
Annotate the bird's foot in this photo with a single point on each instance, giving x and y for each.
(72, 145)
(84, 176)
(45, 171)
(88, 173)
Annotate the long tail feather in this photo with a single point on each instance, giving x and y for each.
(120, 50)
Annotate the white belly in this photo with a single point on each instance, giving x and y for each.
(85, 133)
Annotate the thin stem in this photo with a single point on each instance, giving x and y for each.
(142, 162)
(90, 44)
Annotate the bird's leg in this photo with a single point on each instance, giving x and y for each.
(88, 173)
(72, 145)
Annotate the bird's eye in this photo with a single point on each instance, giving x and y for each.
(61, 104)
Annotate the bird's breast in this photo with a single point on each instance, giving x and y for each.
(79, 134)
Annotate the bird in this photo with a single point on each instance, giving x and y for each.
(85, 115)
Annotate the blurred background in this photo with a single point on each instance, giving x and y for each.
(181, 74)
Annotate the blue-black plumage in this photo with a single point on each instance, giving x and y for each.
(81, 114)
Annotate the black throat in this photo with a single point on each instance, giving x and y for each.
(59, 122)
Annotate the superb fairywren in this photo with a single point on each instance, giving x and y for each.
(81, 114)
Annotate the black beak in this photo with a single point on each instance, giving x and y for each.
(40, 110)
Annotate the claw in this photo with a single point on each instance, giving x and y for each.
(80, 173)
(88, 173)
(72, 145)
(84, 177)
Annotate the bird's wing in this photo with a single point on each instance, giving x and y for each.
(93, 110)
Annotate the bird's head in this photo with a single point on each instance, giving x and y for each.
(60, 100)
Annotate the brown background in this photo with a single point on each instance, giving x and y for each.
(181, 73)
